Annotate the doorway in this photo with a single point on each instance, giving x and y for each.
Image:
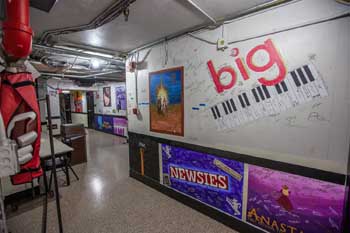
(90, 108)
(65, 108)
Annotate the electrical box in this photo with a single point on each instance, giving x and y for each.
(222, 44)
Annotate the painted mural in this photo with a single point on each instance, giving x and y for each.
(215, 181)
(282, 202)
(120, 126)
(275, 91)
(167, 101)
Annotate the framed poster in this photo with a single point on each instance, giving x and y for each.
(120, 93)
(283, 202)
(107, 101)
(167, 101)
(78, 101)
(215, 181)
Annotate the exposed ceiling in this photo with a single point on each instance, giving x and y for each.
(149, 20)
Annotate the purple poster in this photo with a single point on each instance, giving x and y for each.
(98, 122)
(120, 98)
(107, 124)
(120, 126)
(282, 202)
(215, 181)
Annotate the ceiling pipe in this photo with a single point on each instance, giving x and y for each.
(76, 53)
(195, 5)
(109, 14)
(80, 76)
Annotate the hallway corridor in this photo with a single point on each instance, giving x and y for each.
(106, 200)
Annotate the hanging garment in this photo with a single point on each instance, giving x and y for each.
(17, 96)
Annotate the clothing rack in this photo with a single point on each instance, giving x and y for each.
(56, 189)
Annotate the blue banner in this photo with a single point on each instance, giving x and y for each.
(213, 180)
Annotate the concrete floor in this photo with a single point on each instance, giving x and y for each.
(106, 200)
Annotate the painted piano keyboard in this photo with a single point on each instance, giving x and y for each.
(301, 85)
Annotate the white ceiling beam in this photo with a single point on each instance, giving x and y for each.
(195, 5)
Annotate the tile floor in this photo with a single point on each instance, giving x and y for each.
(107, 200)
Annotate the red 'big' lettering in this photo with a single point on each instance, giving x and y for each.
(274, 59)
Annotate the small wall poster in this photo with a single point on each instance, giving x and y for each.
(282, 202)
(78, 101)
(107, 101)
(215, 181)
(167, 101)
(120, 126)
(120, 93)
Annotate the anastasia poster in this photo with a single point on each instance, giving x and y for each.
(282, 202)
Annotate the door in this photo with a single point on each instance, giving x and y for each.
(65, 108)
(90, 108)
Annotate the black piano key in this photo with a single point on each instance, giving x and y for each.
(256, 96)
(309, 73)
(224, 106)
(261, 93)
(278, 88)
(233, 105)
(229, 106)
(241, 100)
(266, 91)
(217, 111)
(295, 78)
(214, 114)
(246, 99)
(302, 76)
(284, 86)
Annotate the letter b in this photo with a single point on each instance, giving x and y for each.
(216, 77)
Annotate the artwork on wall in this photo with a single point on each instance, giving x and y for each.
(120, 126)
(98, 122)
(275, 90)
(120, 93)
(282, 202)
(215, 181)
(107, 101)
(107, 124)
(167, 101)
(104, 123)
(78, 101)
(113, 125)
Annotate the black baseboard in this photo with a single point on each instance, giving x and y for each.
(21, 196)
(225, 219)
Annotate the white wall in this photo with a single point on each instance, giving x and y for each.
(52, 86)
(98, 100)
(289, 136)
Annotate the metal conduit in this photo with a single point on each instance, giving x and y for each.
(111, 13)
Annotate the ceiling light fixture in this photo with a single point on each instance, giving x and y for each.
(95, 64)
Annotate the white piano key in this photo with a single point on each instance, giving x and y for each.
(320, 85)
(291, 91)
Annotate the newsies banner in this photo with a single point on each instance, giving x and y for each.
(215, 181)
(282, 202)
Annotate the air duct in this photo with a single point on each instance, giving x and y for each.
(17, 33)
